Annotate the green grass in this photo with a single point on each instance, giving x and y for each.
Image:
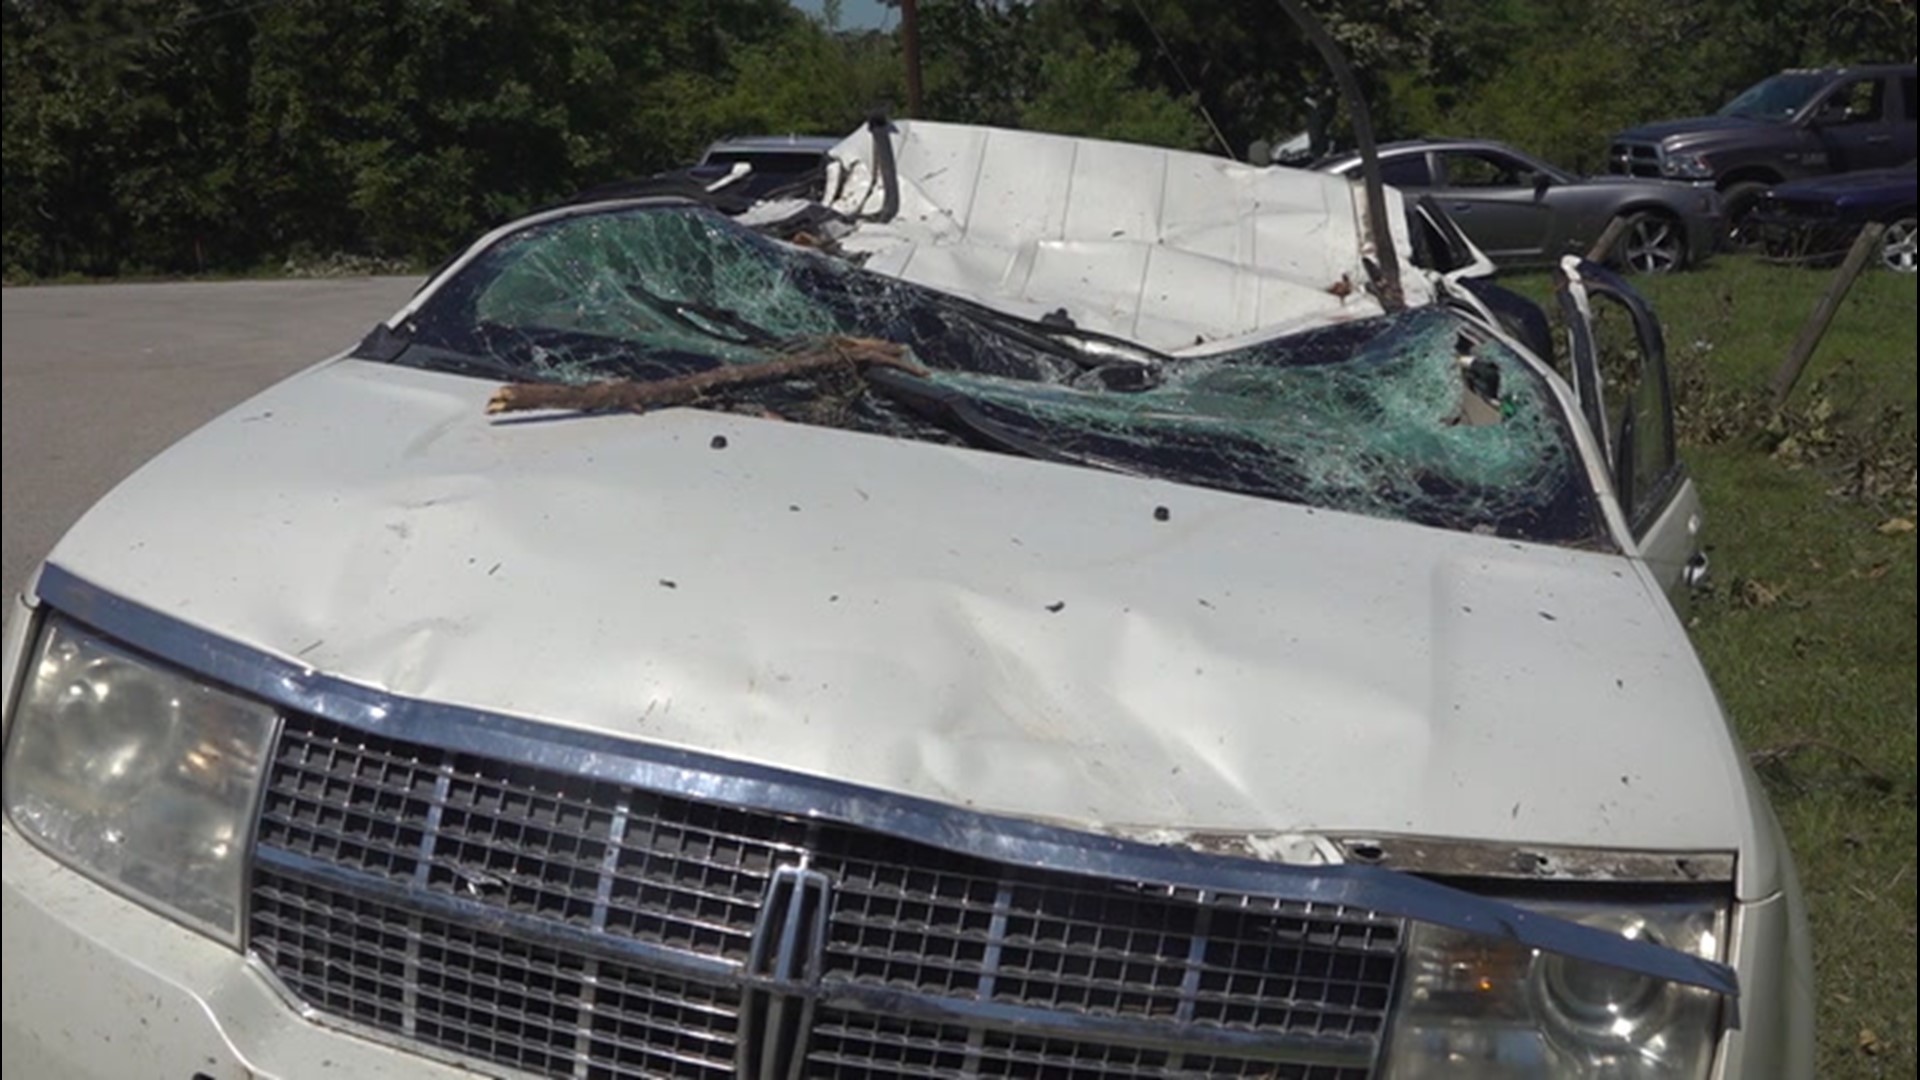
(1809, 630)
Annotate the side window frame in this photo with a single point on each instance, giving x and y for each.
(1423, 160)
(1643, 492)
(1499, 163)
(1879, 94)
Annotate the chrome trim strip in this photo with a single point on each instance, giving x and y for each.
(689, 774)
(655, 959)
(1550, 864)
(610, 863)
(1196, 961)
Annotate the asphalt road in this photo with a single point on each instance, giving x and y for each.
(95, 379)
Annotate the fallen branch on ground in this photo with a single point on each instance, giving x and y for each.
(825, 354)
(1775, 756)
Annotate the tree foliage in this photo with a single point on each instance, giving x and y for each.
(189, 135)
(1560, 76)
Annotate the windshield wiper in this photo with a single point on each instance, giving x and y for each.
(1106, 362)
(704, 318)
(1085, 348)
(388, 345)
(951, 408)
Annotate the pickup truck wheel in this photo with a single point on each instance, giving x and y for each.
(1740, 199)
(1655, 243)
(1896, 247)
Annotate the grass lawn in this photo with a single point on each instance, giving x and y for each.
(1809, 627)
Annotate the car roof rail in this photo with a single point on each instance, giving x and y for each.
(1387, 269)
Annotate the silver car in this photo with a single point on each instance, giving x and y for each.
(1525, 212)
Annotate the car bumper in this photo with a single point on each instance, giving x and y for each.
(1705, 235)
(1792, 238)
(98, 987)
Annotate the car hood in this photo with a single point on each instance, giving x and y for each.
(1694, 132)
(1025, 638)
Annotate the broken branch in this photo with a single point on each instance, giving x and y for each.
(637, 395)
(1774, 757)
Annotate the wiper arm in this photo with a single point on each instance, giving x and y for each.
(682, 312)
(391, 346)
(951, 408)
(1086, 349)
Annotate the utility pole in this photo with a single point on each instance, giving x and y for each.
(910, 51)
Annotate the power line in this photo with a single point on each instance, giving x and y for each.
(1182, 76)
(241, 10)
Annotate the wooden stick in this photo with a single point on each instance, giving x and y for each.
(1864, 246)
(640, 395)
(1773, 756)
(1603, 246)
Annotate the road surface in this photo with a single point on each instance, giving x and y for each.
(95, 379)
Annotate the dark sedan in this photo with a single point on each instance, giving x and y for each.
(1816, 220)
(1522, 211)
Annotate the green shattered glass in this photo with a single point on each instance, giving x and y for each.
(1372, 416)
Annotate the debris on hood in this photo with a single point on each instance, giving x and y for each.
(807, 359)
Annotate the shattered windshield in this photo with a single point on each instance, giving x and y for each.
(1778, 97)
(1419, 416)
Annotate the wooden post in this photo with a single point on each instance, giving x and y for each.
(1863, 248)
(1603, 246)
(910, 52)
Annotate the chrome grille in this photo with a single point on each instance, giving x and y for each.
(850, 1046)
(1634, 159)
(568, 926)
(1062, 943)
(477, 994)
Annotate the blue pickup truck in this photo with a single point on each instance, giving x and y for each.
(1794, 124)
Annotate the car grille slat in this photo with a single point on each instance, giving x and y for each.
(856, 1047)
(1634, 159)
(380, 860)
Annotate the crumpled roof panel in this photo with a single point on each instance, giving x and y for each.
(1172, 249)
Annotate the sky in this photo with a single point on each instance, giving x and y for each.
(854, 14)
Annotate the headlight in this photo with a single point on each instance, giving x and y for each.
(137, 776)
(1476, 1008)
(1686, 166)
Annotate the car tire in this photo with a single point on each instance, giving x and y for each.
(1654, 243)
(1896, 246)
(1739, 199)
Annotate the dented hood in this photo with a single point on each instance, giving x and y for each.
(1019, 637)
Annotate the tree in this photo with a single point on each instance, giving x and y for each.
(216, 134)
(1088, 91)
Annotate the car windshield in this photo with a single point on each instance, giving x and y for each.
(1778, 97)
(783, 162)
(1419, 416)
